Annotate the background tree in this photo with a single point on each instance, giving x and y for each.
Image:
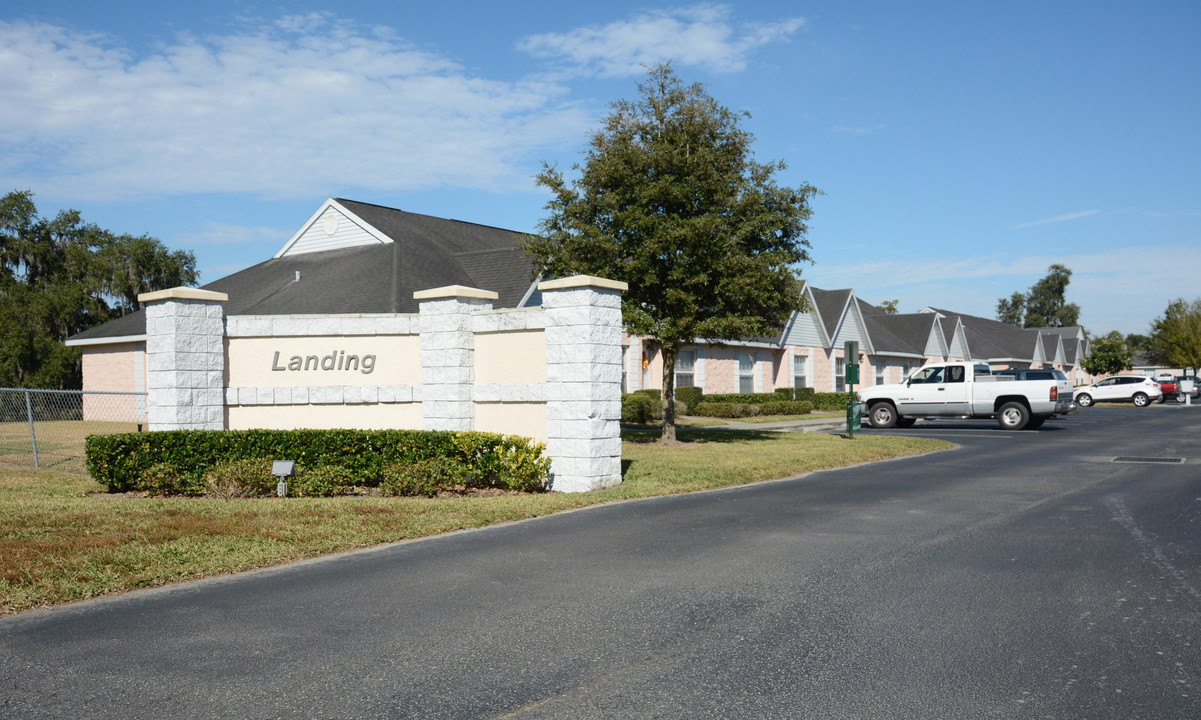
(889, 306)
(1108, 355)
(671, 201)
(1045, 305)
(1136, 342)
(1175, 339)
(61, 276)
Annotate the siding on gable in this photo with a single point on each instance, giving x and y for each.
(804, 332)
(346, 232)
(934, 348)
(848, 329)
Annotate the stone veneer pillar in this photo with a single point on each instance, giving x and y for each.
(448, 354)
(583, 381)
(185, 359)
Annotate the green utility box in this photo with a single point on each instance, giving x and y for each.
(854, 417)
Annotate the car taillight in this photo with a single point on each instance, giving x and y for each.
(1054, 393)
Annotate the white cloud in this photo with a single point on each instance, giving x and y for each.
(1056, 219)
(701, 35)
(288, 110)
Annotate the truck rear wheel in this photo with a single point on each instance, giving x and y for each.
(883, 415)
(1013, 416)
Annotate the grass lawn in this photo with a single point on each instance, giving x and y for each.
(63, 539)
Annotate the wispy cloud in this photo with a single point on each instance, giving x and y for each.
(700, 35)
(222, 233)
(288, 109)
(1056, 219)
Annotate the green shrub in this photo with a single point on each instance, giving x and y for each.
(740, 410)
(246, 478)
(641, 409)
(425, 478)
(502, 461)
(830, 401)
(691, 396)
(118, 461)
(323, 481)
(796, 394)
(165, 479)
(743, 398)
(650, 392)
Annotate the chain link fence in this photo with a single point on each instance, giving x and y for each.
(47, 428)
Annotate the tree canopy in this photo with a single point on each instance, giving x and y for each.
(1175, 339)
(1045, 305)
(1108, 355)
(61, 276)
(670, 200)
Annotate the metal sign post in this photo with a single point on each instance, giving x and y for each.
(854, 414)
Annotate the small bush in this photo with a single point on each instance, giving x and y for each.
(641, 409)
(241, 479)
(691, 396)
(423, 479)
(323, 481)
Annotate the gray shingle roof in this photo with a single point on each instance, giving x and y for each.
(426, 252)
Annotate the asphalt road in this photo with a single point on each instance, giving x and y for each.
(1023, 575)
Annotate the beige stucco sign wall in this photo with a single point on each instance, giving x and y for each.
(323, 360)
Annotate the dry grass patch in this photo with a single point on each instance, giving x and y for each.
(63, 539)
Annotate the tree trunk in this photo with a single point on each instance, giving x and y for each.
(669, 392)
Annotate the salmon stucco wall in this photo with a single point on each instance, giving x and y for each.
(119, 367)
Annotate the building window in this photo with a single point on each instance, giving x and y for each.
(881, 366)
(905, 370)
(800, 371)
(686, 368)
(840, 375)
(746, 372)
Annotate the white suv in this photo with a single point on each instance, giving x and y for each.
(1120, 388)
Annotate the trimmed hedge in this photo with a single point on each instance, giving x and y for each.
(743, 398)
(691, 396)
(120, 462)
(805, 393)
(737, 410)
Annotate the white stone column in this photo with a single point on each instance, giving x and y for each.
(448, 355)
(185, 359)
(583, 376)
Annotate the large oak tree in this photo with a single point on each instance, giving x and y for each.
(1175, 339)
(1045, 305)
(61, 276)
(670, 200)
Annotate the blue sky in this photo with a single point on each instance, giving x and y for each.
(962, 147)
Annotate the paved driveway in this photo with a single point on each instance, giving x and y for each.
(1023, 575)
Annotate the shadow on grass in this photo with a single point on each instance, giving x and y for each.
(645, 436)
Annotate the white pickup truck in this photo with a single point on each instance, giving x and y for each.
(968, 390)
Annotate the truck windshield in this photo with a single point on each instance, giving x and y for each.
(928, 375)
